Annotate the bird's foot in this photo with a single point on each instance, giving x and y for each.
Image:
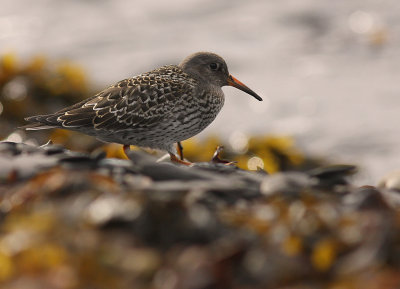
(217, 157)
(176, 160)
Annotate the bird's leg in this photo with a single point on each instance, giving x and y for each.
(216, 157)
(127, 149)
(176, 160)
(180, 150)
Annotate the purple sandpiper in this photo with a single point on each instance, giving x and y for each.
(155, 109)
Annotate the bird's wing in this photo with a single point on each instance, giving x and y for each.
(143, 101)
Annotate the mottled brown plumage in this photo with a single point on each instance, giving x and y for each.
(154, 109)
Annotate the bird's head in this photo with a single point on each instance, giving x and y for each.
(211, 68)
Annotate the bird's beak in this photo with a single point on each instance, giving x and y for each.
(236, 83)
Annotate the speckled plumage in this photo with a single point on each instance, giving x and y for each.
(154, 109)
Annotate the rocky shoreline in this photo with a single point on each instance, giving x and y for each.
(77, 220)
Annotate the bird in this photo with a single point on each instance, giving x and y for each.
(155, 109)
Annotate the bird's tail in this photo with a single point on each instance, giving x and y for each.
(38, 122)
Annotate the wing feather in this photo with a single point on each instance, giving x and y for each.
(140, 102)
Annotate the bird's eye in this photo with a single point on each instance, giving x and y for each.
(213, 66)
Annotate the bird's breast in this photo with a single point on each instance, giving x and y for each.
(197, 111)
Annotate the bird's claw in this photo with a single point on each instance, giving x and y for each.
(216, 157)
(179, 161)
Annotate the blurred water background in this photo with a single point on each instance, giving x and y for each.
(327, 70)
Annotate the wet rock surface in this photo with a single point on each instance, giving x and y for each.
(76, 220)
